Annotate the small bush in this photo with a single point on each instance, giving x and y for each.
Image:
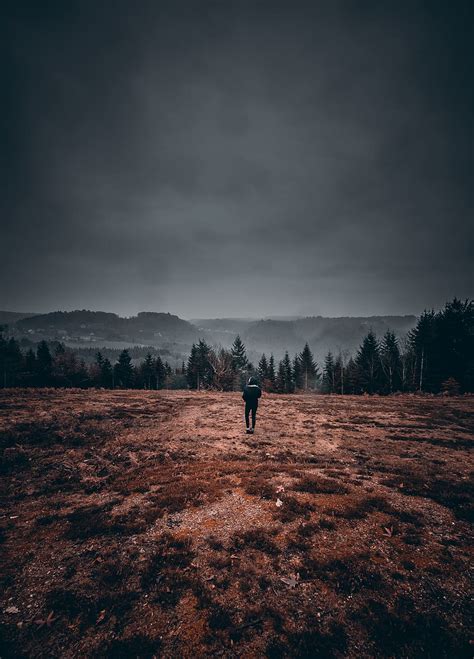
(320, 485)
(293, 509)
(259, 539)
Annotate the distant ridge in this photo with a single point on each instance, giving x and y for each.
(165, 330)
(94, 326)
(7, 317)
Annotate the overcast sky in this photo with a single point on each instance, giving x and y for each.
(236, 158)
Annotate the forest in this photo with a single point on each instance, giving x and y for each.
(436, 356)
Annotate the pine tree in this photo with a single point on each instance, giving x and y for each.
(44, 365)
(263, 368)
(329, 374)
(391, 363)
(288, 371)
(204, 364)
(159, 374)
(297, 373)
(66, 368)
(12, 362)
(95, 370)
(339, 374)
(271, 374)
(106, 374)
(81, 375)
(368, 365)
(453, 355)
(280, 379)
(422, 341)
(351, 379)
(199, 372)
(309, 368)
(407, 363)
(147, 372)
(192, 369)
(239, 355)
(30, 368)
(123, 371)
(3, 358)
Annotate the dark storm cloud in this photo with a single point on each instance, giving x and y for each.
(237, 158)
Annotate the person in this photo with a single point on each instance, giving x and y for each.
(251, 394)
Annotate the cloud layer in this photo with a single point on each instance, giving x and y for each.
(237, 159)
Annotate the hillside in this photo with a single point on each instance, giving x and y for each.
(160, 329)
(141, 524)
(322, 334)
(11, 317)
(167, 331)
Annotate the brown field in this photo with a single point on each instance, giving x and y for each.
(138, 523)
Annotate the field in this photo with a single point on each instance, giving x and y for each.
(141, 523)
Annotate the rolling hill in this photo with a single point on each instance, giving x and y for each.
(164, 330)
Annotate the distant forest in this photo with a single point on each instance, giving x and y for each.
(436, 356)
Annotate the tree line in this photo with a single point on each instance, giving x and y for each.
(437, 355)
(60, 367)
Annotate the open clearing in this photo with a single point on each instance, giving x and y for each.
(148, 523)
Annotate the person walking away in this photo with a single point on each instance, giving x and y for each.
(251, 394)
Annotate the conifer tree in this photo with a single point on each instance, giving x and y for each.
(199, 371)
(147, 372)
(329, 374)
(11, 360)
(44, 364)
(453, 354)
(66, 368)
(192, 370)
(160, 373)
(30, 368)
(123, 371)
(368, 365)
(297, 374)
(81, 375)
(351, 377)
(309, 368)
(3, 358)
(422, 339)
(99, 359)
(407, 362)
(239, 355)
(263, 368)
(288, 371)
(95, 369)
(59, 350)
(106, 374)
(271, 373)
(339, 374)
(280, 379)
(390, 362)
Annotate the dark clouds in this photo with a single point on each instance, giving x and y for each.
(237, 158)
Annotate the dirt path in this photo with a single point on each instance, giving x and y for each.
(149, 524)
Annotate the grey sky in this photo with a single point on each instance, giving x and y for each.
(237, 159)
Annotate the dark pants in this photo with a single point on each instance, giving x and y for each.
(250, 407)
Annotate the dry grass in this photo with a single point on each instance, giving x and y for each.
(141, 524)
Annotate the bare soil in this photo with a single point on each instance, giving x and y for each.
(141, 524)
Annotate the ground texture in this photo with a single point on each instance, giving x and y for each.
(138, 523)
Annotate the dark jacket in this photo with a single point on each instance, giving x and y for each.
(251, 394)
